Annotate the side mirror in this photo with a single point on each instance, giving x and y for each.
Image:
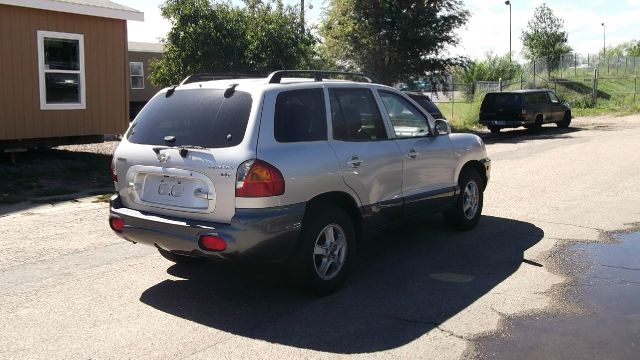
(442, 127)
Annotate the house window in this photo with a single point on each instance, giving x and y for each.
(136, 71)
(61, 65)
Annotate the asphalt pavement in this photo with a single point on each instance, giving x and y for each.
(71, 289)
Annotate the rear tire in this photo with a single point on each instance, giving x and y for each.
(566, 121)
(535, 127)
(494, 129)
(178, 259)
(467, 210)
(325, 250)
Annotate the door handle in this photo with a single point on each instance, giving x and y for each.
(355, 161)
(412, 154)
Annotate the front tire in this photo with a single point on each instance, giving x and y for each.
(467, 210)
(566, 121)
(324, 254)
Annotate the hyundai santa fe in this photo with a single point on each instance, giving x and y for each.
(294, 168)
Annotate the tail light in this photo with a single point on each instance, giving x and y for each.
(257, 178)
(117, 224)
(114, 175)
(523, 115)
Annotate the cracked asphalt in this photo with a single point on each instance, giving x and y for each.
(71, 289)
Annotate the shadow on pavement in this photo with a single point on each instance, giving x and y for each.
(520, 135)
(408, 280)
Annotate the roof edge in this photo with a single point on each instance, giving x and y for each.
(80, 9)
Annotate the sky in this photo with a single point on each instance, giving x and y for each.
(486, 31)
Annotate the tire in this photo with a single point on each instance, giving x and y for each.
(467, 210)
(566, 121)
(178, 259)
(494, 129)
(323, 257)
(535, 127)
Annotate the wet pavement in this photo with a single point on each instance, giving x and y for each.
(606, 324)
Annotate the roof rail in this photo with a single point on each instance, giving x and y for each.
(218, 76)
(318, 75)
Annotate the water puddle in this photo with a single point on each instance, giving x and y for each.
(609, 327)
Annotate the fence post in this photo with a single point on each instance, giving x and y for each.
(594, 82)
(521, 81)
(635, 86)
(561, 66)
(453, 97)
(575, 65)
(534, 74)
(500, 84)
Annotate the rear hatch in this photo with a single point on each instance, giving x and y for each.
(181, 153)
(501, 106)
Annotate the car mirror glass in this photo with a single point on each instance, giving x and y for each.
(442, 127)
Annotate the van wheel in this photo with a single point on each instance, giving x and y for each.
(495, 129)
(322, 260)
(178, 259)
(566, 121)
(467, 209)
(535, 127)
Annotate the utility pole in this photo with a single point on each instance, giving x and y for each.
(604, 42)
(509, 4)
(301, 16)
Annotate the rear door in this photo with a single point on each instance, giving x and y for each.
(370, 161)
(427, 171)
(501, 107)
(180, 156)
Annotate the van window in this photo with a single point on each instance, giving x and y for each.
(300, 116)
(196, 117)
(502, 100)
(536, 98)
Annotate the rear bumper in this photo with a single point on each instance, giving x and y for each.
(505, 123)
(265, 235)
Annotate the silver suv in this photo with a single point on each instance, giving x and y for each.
(288, 169)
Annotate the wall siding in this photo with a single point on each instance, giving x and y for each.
(106, 75)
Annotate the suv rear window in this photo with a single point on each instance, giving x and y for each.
(425, 103)
(300, 116)
(198, 117)
(502, 100)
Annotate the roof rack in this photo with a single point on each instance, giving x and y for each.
(318, 75)
(219, 76)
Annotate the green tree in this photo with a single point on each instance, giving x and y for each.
(219, 37)
(544, 37)
(393, 40)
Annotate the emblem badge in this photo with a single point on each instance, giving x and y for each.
(163, 158)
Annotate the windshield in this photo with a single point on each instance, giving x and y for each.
(193, 117)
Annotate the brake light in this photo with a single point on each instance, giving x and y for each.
(114, 175)
(257, 178)
(117, 224)
(212, 243)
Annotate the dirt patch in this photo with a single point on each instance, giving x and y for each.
(56, 172)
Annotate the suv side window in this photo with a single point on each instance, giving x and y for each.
(406, 119)
(554, 98)
(300, 116)
(355, 116)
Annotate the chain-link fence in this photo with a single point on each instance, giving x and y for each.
(587, 80)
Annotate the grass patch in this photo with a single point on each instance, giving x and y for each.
(104, 198)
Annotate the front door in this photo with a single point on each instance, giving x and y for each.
(556, 107)
(370, 161)
(427, 174)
